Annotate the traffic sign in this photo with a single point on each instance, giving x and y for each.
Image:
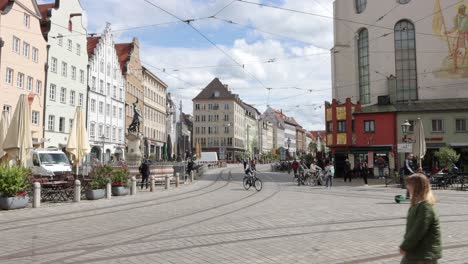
(405, 148)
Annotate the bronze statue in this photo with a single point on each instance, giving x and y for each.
(137, 119)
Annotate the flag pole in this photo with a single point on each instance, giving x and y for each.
(444, 26)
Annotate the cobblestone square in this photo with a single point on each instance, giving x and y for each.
(216, 221)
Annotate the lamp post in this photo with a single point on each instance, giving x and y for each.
(289, 143)
(404, 128)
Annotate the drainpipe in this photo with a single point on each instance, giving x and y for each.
(46, 70)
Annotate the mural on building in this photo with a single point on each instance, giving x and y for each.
(452, 26)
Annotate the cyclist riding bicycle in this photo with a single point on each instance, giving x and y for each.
(250, 168)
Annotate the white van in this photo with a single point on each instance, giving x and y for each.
(50, 163)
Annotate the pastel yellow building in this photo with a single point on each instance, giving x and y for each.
(22, 59)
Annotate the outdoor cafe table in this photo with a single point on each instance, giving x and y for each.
(54, 191)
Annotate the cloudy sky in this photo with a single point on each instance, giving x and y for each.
(256, 48)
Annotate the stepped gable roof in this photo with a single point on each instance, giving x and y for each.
(123, 53)
(92, 43)
(215, 90)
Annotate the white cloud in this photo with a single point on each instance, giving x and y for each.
(304, 34)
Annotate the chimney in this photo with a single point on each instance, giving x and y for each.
(227, 87)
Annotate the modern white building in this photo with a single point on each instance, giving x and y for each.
(67, 66)
(106, 99)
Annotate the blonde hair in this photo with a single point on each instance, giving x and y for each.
(422, 191)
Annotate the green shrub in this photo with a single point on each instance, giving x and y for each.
(447, 156)
(14, 180)
(119, 177)
(100, 176)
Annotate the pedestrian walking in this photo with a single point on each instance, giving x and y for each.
(381, 165)
(329, 174)
(295, 166)
(144, 172)
(245, 164)
(422, 240)
(410, 169)
(347, 171)
(357, 168)
(365, 172)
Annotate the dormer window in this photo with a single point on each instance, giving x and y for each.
(216, 94)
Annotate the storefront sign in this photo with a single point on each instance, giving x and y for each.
(405, 148)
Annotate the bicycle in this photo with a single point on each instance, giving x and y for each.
(252, 180)
(317, 178)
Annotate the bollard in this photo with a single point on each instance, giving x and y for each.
(168, 182)
(108, 190)
(192, 176)
(177, 180)
(77, 193)
(133, 189)
(153, 184)
(37, 195)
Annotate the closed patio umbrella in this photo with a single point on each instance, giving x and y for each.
(78, 144)
(164, 152)
(4, 123)
(419, 148)
(18, 140)
(169, 147)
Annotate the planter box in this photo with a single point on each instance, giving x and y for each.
(119, 191)
(10, 203)
(95, 194)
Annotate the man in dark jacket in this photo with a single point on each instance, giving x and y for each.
(295, 166)
(145, 173)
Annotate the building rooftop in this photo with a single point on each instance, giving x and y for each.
(123, 53)
(216, 90)
(92, 43)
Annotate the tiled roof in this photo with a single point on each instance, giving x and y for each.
(44, 8)
(92, 43)
(3, 4)
(123, 53)
(285, 118)
(215, 90)
(320, 134)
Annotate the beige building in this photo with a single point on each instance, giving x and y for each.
(405, 46)
(266, 136)
(23, 57)
(130, 65)
(219, 121)
(154, 113)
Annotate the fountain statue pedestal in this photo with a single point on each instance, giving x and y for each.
(134, 154)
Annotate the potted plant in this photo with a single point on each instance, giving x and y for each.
(119, 181)
(14, 181)
(99, 178)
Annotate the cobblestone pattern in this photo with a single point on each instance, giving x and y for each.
(216, 221)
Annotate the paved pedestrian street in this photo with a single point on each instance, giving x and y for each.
(216, 221)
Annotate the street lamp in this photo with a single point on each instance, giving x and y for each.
(404, 128)
(289, 143)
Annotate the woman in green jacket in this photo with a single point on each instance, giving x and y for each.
(421, 243)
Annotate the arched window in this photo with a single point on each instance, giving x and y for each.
(360, 5)
(363, 64)
(405, 61)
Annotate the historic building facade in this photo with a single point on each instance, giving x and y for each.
(252, 116)
(106, 99)
(154, 113)
(23, 57)
(66, 84)
(412, 64)
(130, 66)
(219, 121)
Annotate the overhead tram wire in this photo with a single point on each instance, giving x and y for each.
(226, 6)
(341, 19)
(188, 22)
(268, 32)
